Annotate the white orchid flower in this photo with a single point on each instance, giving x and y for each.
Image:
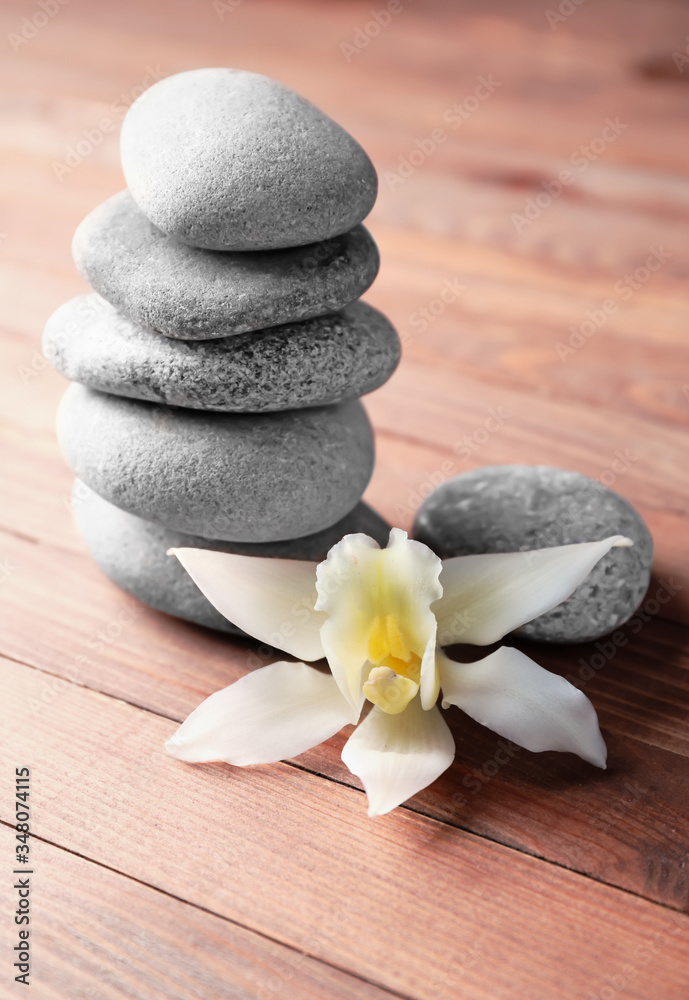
(380, 617)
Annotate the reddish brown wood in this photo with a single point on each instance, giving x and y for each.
(102, 930)
(282, 851)
(546, 882)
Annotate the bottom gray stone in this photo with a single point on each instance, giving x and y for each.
(513, 508)
(132, 553)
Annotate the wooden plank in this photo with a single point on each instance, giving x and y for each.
(97, 933)
(95, 634)
(626, 827)
(441, 407)
(317, 858)
(36, 487)
(443, 51)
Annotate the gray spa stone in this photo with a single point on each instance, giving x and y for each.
(132, 552)
(324, 360)
(194, 294)
(512, 508)
(240, 477)
(230, 160)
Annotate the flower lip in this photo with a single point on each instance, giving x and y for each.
(378, 607)
(390, 691)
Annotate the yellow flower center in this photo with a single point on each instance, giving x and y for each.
(394, 679)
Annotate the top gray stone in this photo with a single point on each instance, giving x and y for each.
(194, 294)
(230, 160)
(513, 508)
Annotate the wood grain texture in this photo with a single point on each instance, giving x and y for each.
(516, 875)
(297, 854)
(100, 927)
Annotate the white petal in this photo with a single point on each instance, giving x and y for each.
(271, 599)
(487, 596)
(359, 582)
(272, 714)
(344, 583)
(395, 756)
(418, 568)
(525, 703)
(429, 688)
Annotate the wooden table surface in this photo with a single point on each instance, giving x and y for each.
(524, 877)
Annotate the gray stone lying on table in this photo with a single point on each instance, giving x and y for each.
(513, 508)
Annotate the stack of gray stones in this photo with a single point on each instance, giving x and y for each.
(219, 361)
